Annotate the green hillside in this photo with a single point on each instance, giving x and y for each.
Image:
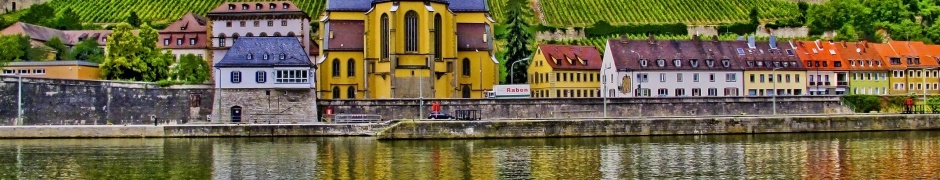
(109, 11)
(553, 12)
(586, 12)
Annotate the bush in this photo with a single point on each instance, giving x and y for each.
(863, 103)
(167, 83)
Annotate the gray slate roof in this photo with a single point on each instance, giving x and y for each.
(365, 5)
(53, 63)
(237, 56)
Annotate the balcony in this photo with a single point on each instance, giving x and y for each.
(842, 84)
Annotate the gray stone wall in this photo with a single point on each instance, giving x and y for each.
(594, 107)
(55, 101)
(266, 105)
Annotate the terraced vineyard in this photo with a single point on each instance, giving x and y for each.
(600, 43)
(586, 12)
(106, 11)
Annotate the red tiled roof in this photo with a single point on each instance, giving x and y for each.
(200, 40)
(693, 54)
(861, 53)
(563, 53)
(470, 36)
(886, 53)
(346, 35)
(253, 7)
(823, 52)
(188, 23)
(928, 54)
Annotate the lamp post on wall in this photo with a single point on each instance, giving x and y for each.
(512, 79)
(19, 98)
(774, 97)
(605, 90)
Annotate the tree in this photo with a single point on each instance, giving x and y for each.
(123, 60)
(158, 62)
(517, 40)
(40, 14)
(11, 49)
(803, 6)
(133, 20)
(62, 51)
(148, 36)
(88, 50)
(754, 17)
(68, 20)
(191, 69)
(846, 33)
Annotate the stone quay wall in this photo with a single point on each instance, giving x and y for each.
(656, 126)
(593, 107)
(81, 102)
(205, 130)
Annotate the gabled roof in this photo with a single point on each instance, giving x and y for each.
(821, 51)
(886, 52)
(224, 8)
(35, 32)
(928, 54)
(692, 54)
(571, 57)
(188, 23)
(257, 47)
(766, 55)
(365, 5)
(470, 36)
(860, 54)
(344, 35)
(52, 63)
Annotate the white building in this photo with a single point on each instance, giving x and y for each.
(265, 79)
(652, 68)
(233, 20)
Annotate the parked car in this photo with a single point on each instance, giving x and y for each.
(439, 115)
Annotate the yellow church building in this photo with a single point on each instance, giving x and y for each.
(379, 49)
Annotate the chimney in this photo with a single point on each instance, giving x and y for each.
(865, 43)
(695, 37)
(715, 38)
(652, 40)
(844, 45)
(623, 38)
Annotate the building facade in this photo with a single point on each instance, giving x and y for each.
(673, 68)
(188, 35)
(406, 49)
(80, 70)
(232, 20)
(867, 72)
(827, 71)
(909, 73)
(265, 79)
(771, 68)
(565, 71)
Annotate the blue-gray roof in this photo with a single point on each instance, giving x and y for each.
(365, 5)
(257, 47)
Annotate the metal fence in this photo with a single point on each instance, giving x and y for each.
(921, 109)
(352, 118)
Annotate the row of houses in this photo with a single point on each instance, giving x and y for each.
(709, 67)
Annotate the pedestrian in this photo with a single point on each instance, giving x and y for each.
(909, 105)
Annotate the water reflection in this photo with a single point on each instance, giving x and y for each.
(863, 155)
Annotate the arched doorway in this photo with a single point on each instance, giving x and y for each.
(236, 114)
(14, 6)
(465, 91)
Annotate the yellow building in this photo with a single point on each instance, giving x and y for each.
(565, 71)
(776, 72)
(377, 49)
(80, 70)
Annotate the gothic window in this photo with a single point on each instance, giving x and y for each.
(437, 36)
(384, 36)
(335, 67)
(351, 68)
(411, 31)
(466, 67)
(351, 93)
(336, 92)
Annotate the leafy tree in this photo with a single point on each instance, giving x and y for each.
(4, 23)
(754, 17)
(846, 33)
(39, 54)
(68, 20)
(803, 6)
(88, 50)
(157, 61)
(11, 49)
(62, 51)
(123, 60)
(40, 14)
(907, 30)
(191, 69)
(148, 36)
(517, 40)
(133, 20)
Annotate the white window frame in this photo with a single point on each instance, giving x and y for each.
(291, 76)
(731, 77)
(9, 71)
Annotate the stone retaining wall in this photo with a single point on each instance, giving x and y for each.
(656, 126)
(209, 130)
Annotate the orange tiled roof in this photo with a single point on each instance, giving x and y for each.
(820, 55)
(564, 53)
(860, 56)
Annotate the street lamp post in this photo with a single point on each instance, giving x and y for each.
(774, 97)
(605, 90)
(19, 98)
(512, 79)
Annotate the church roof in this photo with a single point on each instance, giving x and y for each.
(365, 5)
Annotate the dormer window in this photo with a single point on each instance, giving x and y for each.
(750, 63)
(776, 64)
(760, 63)
(726, 62)
(789, 52)
(273, 6)
(852, 63)
(231, 7)
(249, 56)
(286, 6)
(833, 52)
(643, 62)
(792, 63)
(282, 56)
(183, 28)
(244, 7)
(258, 6)
(693, 62)
(677, 62)
(710, 62)
(785, 64)
(767, 63)
(661, 62)
(264, 56)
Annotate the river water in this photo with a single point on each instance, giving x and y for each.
(856, 155)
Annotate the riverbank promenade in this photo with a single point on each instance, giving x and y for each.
(504, 128)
